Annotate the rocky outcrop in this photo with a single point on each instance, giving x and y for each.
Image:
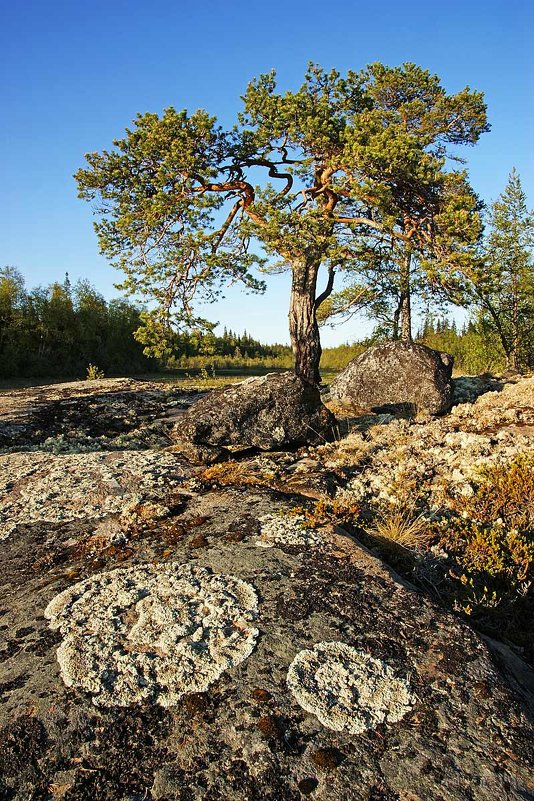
(357, 687)
(106, 414)
(268, 413)
(412, 462)
(398, 375)
(168, 638)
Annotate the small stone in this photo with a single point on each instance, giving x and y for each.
(261, 696)
(327, 758)
(269, 726)
(195, 703)
(308, 785)
(199, 541)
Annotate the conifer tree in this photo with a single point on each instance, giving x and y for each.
(502, 283)
(342, 158)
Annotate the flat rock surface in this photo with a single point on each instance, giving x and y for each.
(94, 415)
(437, 719)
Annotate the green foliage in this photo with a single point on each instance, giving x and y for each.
(476, 349)
(501, 281)
(59, 329)
(426, 218)
(93, 373)
(342, 167)
(491, 540)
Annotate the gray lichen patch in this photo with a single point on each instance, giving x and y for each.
(152, 632)
(348, 690)
(278, 530)
(42, 487)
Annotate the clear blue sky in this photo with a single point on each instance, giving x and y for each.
(75, 73)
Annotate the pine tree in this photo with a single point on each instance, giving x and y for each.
(343, 159)
(503, 283)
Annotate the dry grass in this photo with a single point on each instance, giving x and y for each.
(402, 527)
(232, 473)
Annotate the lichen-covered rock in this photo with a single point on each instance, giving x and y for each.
(269, 413)
(419, 463)
(82, 416)
(246, 737)
(277, 530)
(398, 374)
(152, 632)
(41, 487)
(347, 690)
(467, 735)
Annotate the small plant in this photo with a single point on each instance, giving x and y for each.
(491, 537)
(402, 527)
(490, 558)
(206, 375)
(326, 512)
(489, 542)
(505, 492)
(93, 373)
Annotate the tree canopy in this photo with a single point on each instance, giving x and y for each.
(59, 329)
(303, 177)
(501, 282)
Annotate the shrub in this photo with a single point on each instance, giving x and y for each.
(490, 540)
(328, 511)
(93, 373)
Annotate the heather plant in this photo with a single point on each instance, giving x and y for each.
(489, 541)
(327, 511)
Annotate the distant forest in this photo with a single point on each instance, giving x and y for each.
(59, 330)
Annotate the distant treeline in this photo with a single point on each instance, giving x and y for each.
(199, 349)
(476, 349)
(60, 329)
(475, 346)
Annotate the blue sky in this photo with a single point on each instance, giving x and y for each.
(74, 74)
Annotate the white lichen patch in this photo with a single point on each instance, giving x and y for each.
(346, 689)
(39, 487)
(278, 530)
(403, 463)
(152, 632)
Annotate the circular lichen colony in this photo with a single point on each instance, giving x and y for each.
(152, 632)
(347, 689)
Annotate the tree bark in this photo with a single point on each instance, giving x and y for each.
(303, 328)
(396, 320)
(405, 299)
(514, 356)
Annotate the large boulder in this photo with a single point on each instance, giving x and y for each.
(397, 375)
(270, 412)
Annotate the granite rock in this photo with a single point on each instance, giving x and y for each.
(398, 376)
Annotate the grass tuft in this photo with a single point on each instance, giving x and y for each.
(402, 527)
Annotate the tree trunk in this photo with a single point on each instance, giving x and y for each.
(396, 320)
(303, 328)
(514, 356)
(405, 300)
